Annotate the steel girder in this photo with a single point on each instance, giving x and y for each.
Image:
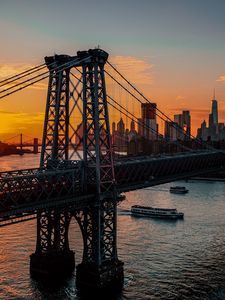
(52, 232)
(147, 171)
(88, 220)
(55, 142)
(53, 226)
(85, 99)
(96, 139)
(23, 188)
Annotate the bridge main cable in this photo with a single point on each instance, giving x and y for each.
(22, 74)
(164, 118)
(133, 116)
(142, 123)
(57, 69)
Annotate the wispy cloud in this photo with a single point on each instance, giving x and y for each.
(221, 79)
(9, 70)
(15, 122)
(181, 101)
(179, 97)
(135, 69)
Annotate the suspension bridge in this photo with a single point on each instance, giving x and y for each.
(22, 141)
(79, 174)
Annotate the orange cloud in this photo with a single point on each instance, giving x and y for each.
(134, 69)
(14, 123)
(8, 70)
(221, 78)
(138, 72)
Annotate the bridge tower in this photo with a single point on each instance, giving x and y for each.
(62, 144)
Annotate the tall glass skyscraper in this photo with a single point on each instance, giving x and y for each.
(214, 110)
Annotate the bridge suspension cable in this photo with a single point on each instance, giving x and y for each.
(133, 116)
(22, 75)
(10, 138)
(160, 114)
(25, 81)
(135, 119)
(44, 75)
(39, 77)
(164, 117)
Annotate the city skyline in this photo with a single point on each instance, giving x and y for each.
(112, 163)
(172, 51)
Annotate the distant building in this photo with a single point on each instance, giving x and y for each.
(121, 126)
(184, 125)
(221, 131)
(148, 117)
(113, 127)
(140, 127)
(170, 132)
(203, 132)
(215, 131)
(213, 120)
(214, 110)
(148, 111)
(119, 136)
(132, 126)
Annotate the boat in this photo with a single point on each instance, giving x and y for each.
(178, 189)
(154, 212)
(121, 197)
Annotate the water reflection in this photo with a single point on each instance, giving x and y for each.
(163, 260)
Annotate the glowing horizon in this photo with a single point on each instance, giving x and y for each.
(30, 122)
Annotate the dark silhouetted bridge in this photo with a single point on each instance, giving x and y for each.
(79, 175)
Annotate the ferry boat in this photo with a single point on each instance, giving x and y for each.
(153, 212)
(178, 189)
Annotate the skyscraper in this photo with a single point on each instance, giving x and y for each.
(184, 122)
(121, 126)
(148, 116)
(187, 123)
(214, 110)
(213, 120)
(170, 131)
(148, 111)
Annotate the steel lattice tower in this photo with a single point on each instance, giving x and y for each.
(77, 91)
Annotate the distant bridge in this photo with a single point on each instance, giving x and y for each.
(18, 142)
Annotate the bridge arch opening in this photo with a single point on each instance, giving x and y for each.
(75, 238)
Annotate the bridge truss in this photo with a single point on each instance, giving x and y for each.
(79, 176)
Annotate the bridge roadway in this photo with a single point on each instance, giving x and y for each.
(24, 192)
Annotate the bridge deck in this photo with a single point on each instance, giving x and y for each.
(24, 192)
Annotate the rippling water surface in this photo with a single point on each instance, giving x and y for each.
(183, 259)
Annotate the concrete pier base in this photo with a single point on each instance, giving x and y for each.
(91, 278)
(52, 265)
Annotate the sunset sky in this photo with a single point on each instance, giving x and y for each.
(173, 50)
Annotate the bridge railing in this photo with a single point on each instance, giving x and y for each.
(148, 171)
(19, 188)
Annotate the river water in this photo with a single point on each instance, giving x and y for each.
(183, 259)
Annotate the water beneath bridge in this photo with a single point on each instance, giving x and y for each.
(184, 259)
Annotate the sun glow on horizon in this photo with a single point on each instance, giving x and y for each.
(24, 111)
